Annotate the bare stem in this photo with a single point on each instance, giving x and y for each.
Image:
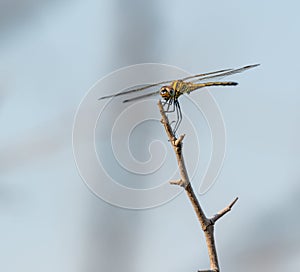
(207, 224)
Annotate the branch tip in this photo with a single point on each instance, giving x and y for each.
(233, 202)
(178, 182)
(223, 212)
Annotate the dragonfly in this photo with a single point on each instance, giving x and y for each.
(175, 88)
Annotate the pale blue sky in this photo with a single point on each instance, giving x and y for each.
(52, 52)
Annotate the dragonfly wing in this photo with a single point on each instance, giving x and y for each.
(227, 73)
(199, 77)
(141, 97)
(136, 89)
(206, 74)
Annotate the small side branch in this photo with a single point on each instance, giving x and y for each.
(224, 211)
(207, 224)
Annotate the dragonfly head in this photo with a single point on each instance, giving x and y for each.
(167, 92)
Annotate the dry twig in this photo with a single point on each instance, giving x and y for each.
(207, 224)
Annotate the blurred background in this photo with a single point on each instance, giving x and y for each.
(51, 52)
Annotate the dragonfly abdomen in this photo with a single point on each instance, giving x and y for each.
(194, 86)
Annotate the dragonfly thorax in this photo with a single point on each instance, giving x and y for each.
(167, 92)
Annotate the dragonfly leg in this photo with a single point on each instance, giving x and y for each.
(164, 102)
(168, 110)
(179, 116)
(170, 103)
(176, 106)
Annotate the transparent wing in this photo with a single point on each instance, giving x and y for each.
(160, 83)
(198, 77)
(206, 74)
(136, 89)
(141, 97)
(226, 72)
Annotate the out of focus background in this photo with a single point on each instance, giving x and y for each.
(52, 52)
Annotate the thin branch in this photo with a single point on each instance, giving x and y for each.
(224, 211)
(177, 182)
(207, 224)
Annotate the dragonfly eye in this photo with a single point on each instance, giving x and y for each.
(167, 92)
(164, 92)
